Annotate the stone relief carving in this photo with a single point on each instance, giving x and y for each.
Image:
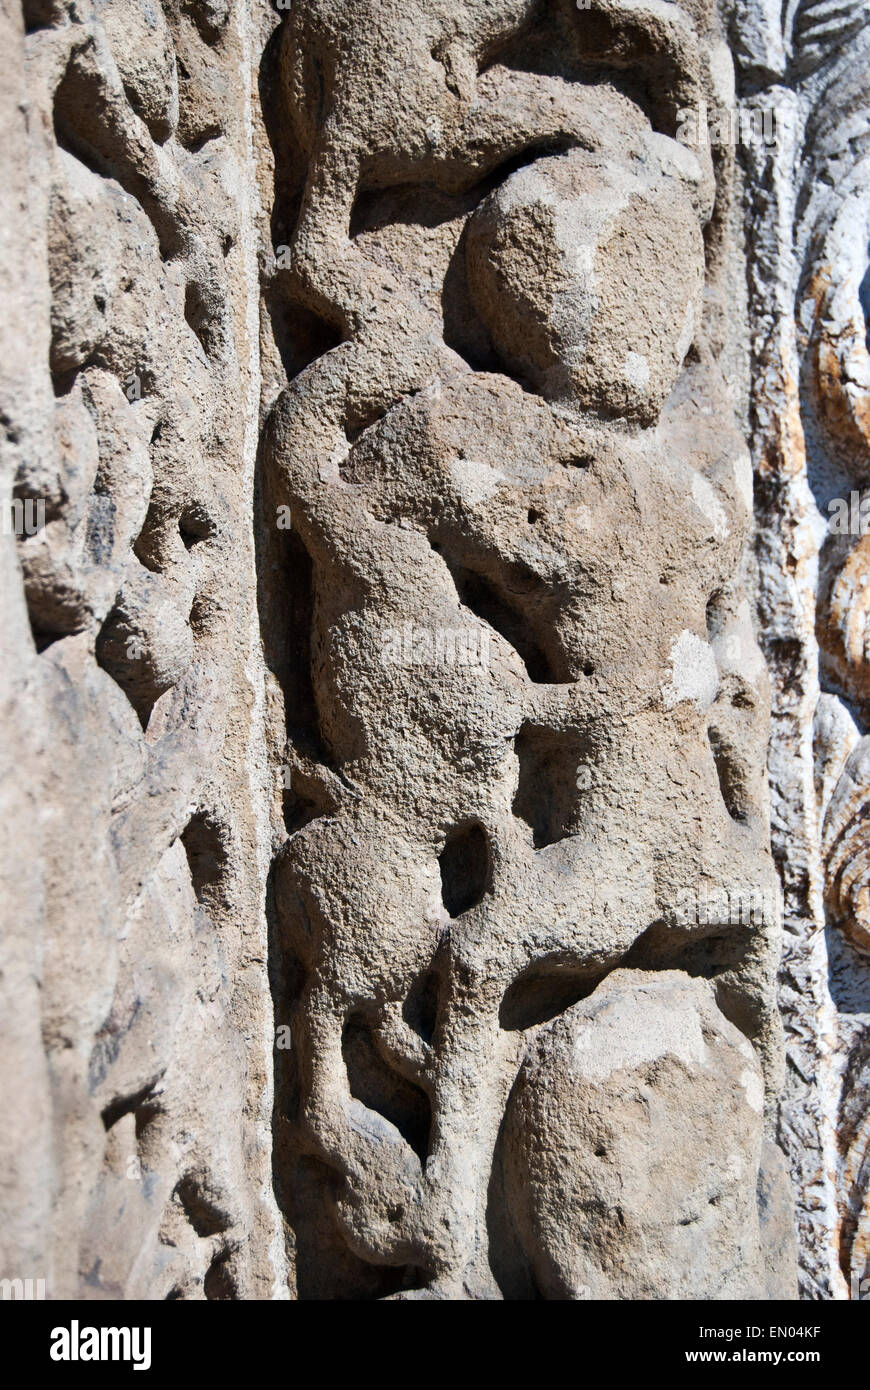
(809, 213)
(127, 653)
(386, 824)
(524, 429)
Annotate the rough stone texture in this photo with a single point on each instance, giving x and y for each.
(603, 1203)
(808, 227)
(133, 846)
(544, 451)
(386, 827)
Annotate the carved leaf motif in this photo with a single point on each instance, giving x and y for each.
(819, 29)
(846, 849)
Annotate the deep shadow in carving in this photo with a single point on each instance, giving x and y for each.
(547, 797)
(378, 1087)
(481, 596)
(325, 1267)
(218, 1284)
(732, 781)
(204, 1216)
(300, 335)
(545, 990)
(420, 1010)
(466, 868)
(507, 1262)
(203, 841)
(718, 952)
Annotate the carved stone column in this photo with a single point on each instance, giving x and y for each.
(526, 914)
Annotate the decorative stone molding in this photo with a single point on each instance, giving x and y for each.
(807, 238)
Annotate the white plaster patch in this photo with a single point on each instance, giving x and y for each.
(578, 516)
(635, 369)
(753, 666)
(475, 482)
(675, 158)
(582, 260)
(751, 1083)
(743, 479)
(737, 651)
(608, 1045)
(580, 227)
(745, 1046)
(527, 186)
(695, 674)
(708, 504)
(722, 74)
